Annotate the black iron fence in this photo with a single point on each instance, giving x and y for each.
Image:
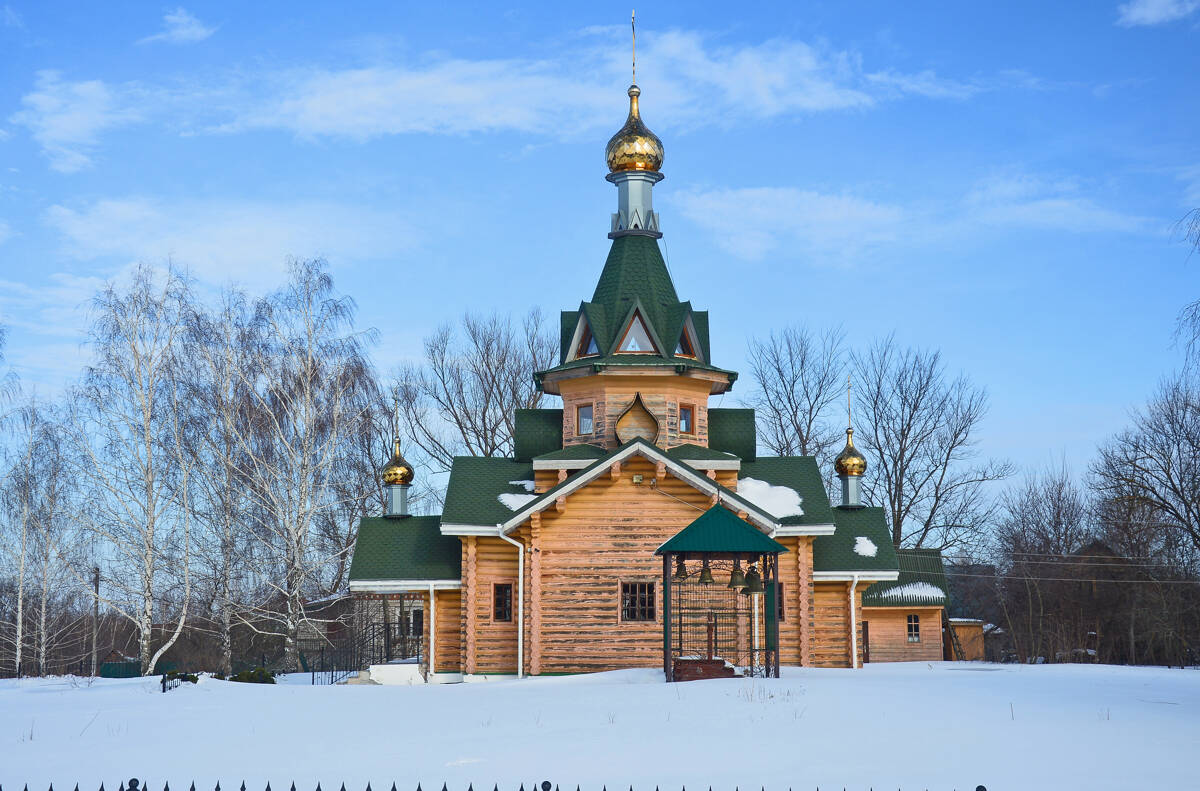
(138, 785)
(332, 660)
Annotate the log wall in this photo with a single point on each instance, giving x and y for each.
(491, 646)
(610, 396)
(889, 634)
(447, 657)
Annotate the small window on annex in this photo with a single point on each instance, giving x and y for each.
(583, 419)
(502, 601)
(914, 628)
(687, 419)
(637, 601)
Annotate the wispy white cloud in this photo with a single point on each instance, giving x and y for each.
(66, 118)
(750, 223)
(840, 228)
(10, 18)
(690, 81)
(222, 240)
(180, 27)
(1029, 201)
(1154, 12)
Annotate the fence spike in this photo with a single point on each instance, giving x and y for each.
(293, 785)
(243, 785)
(218, 788)
(76, 787)
(343, 787)
(444, 786)
(368, 786)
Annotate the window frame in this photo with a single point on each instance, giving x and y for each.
(651, 587)
(637, 317)
(495, 590)
(913, 626)
(590, 405)
(691, 430)
(586, 340)
(685, 343)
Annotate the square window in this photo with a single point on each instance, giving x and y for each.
(502, 601)
(687, 421)
(637, 601)
(583, 419)
(914, 628)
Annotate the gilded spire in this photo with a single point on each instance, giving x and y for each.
(397, 472)
(850, 463)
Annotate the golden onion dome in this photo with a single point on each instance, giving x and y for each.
(397, 472)
(850, 462)
(634, 147)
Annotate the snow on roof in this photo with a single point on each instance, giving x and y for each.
(778, 501)
(865, 547)
(515, 502)
(966, 620)
(526, 485)
(916, 590)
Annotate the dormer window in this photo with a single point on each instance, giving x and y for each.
(636, 339)
(684, 347)
(587, 344)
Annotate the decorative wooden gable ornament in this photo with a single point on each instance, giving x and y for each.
(637, 421)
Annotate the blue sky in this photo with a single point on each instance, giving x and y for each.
(996, 180)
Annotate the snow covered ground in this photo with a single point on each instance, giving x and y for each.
(907, 726)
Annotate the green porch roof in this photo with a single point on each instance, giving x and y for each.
(720, 531)
(843, 551)
(688, 451)
(922, 582)
(412, 548)
(476, 484)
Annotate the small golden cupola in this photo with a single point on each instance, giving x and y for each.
(634, 147)
(397, 476)
(850, 464)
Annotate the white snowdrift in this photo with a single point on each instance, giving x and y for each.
(514, 502)
(778, 501)
(865, 547)
(909, 726)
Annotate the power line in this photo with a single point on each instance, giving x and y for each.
(1072, 579)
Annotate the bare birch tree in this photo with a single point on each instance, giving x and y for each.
(917, 428)
(798, 377)
(123, 430)
(461, 400)
(308, 397)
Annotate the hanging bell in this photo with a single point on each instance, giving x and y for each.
(753, 581)
(737, 579)
(680, 570)
(706, 577)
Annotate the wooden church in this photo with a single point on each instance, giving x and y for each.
(634, 527)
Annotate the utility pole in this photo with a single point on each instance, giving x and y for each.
(95, 618)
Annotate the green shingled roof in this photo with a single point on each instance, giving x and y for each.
(922, 576)
(688, 451)
(536, 432)
(412, 548)
(719, 530)
(574, 453)
(799, 473)
(476, 483)
(733, 431)
(635, 276)
(838, 551)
